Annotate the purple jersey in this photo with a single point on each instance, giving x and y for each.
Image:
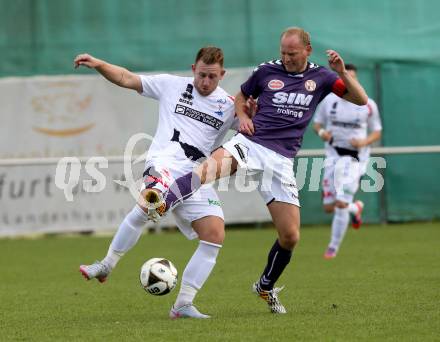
(286, 103)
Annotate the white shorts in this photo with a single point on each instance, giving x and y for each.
(272, 171)
(202, 203)
(341, 179)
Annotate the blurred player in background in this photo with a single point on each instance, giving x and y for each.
(194, 116)
(343, 126)
(288, 91)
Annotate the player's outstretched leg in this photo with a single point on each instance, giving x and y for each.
(156, 182)
(155, 204)
(158, 201)
(339, 228)
(125, 238)
(96, 270)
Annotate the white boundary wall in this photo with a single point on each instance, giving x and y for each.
(45, 118)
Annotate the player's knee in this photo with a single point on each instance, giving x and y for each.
(216, 235)
(289, 240)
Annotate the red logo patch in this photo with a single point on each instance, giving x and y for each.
(276, 85)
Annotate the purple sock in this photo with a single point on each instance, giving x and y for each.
(182, 188)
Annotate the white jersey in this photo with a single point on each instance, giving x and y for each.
(190, 125)
(346, 121)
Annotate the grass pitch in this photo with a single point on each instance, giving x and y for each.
(384, 285)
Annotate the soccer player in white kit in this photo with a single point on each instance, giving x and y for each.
(344, 127)
(288, 91)
(194, 116)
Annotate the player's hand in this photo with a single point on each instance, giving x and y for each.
(87, 60)
(326, 136)
(335, 61)
(250, 107)
(246, 126)
(358, 143)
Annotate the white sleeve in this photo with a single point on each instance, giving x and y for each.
(232, 122)
(374, 122)
(321, 113)
(155, 85)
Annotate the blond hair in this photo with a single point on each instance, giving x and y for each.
(210, 55)
(303, 35)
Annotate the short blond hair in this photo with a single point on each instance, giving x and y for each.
(210, 55)
(300, 32)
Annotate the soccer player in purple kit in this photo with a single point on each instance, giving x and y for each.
(288, 91)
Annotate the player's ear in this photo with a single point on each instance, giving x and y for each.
(193, 67)
(222, 73)
(309, 49)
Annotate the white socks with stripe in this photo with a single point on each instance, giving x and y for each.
(339, 227)
(197, 271)
(127, 236)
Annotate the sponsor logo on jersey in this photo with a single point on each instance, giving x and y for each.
(310, 85)
(187, 96)
(334, 106)
(342, 124)
(292, 98)
(199, 116)
(290, 112)
(220, 103)
(275, 85)
(219, 112)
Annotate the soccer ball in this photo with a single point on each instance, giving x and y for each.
(158, 276)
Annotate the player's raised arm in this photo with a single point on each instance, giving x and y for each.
(355, 92)
(115, 74)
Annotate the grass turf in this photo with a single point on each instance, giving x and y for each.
(384, 285)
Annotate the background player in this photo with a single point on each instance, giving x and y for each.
(288, 91)
(343, 126)
(194, 115)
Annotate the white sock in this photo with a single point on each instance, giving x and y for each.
(127, 235)
(197, 271)
(353, 208)
(339, 227)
